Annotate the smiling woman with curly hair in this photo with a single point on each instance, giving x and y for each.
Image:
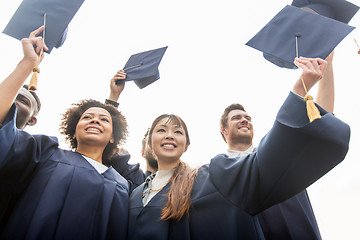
(50, 193)
(72, 116)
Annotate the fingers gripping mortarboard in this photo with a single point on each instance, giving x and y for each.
(295, 32)
(143, 68)
(339, 10)
(30, 15)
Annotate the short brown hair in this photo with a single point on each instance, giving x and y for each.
(224, 117)
(143, 142)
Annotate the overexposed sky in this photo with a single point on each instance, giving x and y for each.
(205, 68)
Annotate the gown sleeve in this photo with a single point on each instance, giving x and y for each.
(20, 153)
(292, 156)
(131, 172)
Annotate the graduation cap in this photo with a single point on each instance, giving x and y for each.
(30, 16)
(339, 10)
(142, 68)
(294, 32)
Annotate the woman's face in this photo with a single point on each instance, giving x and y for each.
(94, 127)
(168, 142)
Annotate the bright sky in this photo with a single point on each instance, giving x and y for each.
(206, 67)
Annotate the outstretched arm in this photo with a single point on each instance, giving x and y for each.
(10, 87)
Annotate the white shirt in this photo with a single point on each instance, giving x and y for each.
(98, 166)
(160, 180)
(234, 153)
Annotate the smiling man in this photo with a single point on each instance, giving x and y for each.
(28, 106)
(237, 129)
(293, 218)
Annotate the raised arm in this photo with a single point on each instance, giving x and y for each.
(294, 154)
(120, 160)
(116, 89)
(325, 95)
(10, 87)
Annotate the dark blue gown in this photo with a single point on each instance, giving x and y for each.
(50, 193)
(292, 219)
(228, 193)
(131, 172)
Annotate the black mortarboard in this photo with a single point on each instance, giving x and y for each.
(142, 68)
(30, 16)
(340, 10)
(295, 31)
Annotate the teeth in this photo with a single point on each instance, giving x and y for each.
(169, 145)
(93, 129)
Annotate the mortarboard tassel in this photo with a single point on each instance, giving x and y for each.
(34, 78)
(357, 45)
(312, 111)
(138, 65)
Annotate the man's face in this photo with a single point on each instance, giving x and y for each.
(26, 108)
(239, 127)
(150, 159)
(147, 153)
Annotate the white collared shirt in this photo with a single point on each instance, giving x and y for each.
(160, 180)
(234, 153)
(98, 166)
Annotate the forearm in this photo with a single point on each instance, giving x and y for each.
(116, 88)
(325, 96)
(114, 96)
(10, 87)
(301, 88)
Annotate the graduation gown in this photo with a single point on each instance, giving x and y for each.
(50, 193)
(131, 172)
(292, 219)
(229, 192)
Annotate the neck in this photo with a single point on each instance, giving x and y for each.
(91, 152)
(239, 146)
(150, 169)
(166, 165)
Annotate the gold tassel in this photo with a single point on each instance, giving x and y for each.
(34, 79)
(312, 111)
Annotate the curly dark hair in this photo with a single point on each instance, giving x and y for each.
(72, 116)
